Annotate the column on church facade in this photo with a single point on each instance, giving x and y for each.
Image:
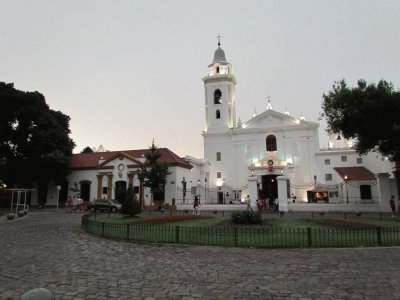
(253, 191)
(99, 185)
(109, 188)
(131, 176)
(283, 193)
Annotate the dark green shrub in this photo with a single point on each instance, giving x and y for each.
(130, 205)
(246, 217)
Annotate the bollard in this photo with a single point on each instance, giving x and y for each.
(38, 294)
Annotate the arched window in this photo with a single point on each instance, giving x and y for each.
(217, 70)
(217, 97)
(218, 114)
(271, 143)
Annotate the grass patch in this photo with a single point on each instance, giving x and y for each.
(273, 233)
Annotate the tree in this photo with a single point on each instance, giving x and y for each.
(130, 205)
(154, 172)
(75, 189)
(368, 113)
(87, 150)
(34, 139)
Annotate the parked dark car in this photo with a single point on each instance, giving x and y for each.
(104, 205)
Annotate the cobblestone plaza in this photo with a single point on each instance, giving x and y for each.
(48, 249)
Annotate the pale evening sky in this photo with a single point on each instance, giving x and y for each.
(130, 71)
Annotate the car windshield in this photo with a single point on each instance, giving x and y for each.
(114, 201)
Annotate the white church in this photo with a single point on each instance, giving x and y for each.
(273, 156)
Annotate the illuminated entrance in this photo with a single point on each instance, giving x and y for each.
(268, 188)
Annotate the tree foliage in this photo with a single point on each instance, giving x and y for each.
(87, 150)
(34, 139)
(368, 113)
(130, 205)
(154, 172)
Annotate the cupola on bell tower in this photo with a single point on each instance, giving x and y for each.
(220, 93)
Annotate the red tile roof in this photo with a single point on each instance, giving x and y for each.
(355, 173)
(91, 160)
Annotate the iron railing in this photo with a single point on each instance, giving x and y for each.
(245, 236)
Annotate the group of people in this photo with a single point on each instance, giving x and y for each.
(74, 204)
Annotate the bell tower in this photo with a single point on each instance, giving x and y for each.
(220, 94)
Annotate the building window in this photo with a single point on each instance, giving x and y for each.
(365, 191)
(218, 114)
(218, 156)
(359, 160)
(327, 161)
(217, 97)
(344, 158)
(328, 177)
(219, 175)
(104, 190)
(271, 143)
(217, 70)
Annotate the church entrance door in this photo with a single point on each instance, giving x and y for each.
(85, 190)
(269, 188)
(220, 198)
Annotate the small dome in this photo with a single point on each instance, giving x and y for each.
(219, 56)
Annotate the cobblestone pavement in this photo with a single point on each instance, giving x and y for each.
(47, 249)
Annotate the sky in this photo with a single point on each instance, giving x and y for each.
(130, 71)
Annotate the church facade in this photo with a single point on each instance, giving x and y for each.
(249, 158)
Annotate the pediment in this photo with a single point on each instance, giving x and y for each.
(114, 160)
(274, 119)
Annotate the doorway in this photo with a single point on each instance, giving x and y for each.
(220, 198)
(269, 188)
(85, 190)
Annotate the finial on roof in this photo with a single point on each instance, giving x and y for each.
(239, 124)
(269, 106)
(219, 40)
(286, 111)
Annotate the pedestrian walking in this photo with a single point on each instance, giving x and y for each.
(392, 205)
(196, 206)
(69, 204)
(248, 203)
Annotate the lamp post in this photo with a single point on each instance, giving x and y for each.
(3, 161)
(223, 193)
(205, 190)
(198, 186)
(347, 190)
(58, 194)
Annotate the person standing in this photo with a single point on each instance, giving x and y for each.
(392, 205)
(69, 204)
(248, 203)
(196, 206)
